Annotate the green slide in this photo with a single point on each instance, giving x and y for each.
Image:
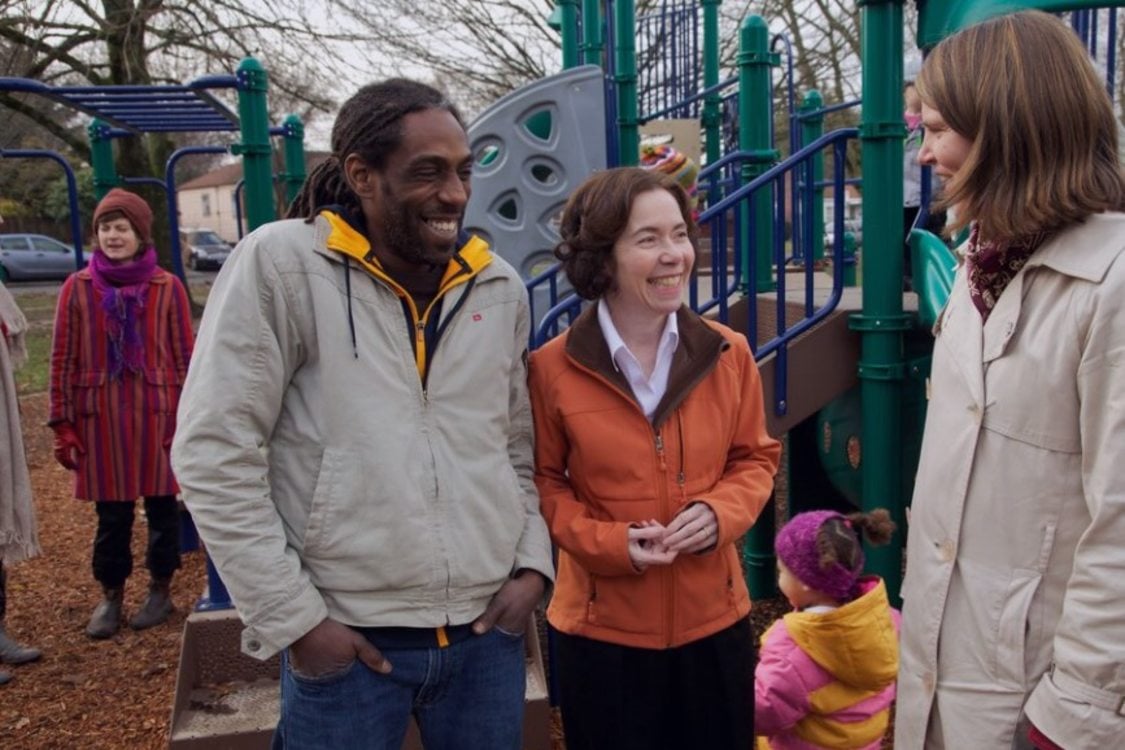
(934, 264)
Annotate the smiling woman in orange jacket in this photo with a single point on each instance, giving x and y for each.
(652, 460)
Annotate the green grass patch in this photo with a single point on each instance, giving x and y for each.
(39, 309)
(199, 292)
(38, 306)
(36, 374)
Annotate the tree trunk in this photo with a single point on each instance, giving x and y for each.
(140, 155)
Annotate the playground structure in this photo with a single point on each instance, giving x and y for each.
(129, 111)
(843, 367)
(533, 147)
(210, 650)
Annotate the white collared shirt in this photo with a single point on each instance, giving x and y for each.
(650, 390)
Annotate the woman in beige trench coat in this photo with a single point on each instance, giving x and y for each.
(1014, 599)
(19, 538)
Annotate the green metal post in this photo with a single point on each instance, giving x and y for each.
(255, 146)
(568, 20)
(625, 62)
(101, 158)
(755, 115)
(849, 260)
(294, 140)
(882, 365)
(712, 118)
(812, 127)
(592, 32)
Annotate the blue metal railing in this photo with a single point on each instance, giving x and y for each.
(173, 212)
(797, 246)
(549, 278)
(722, 178)
(612, 149)
(803, 249)
(838, 140)
(143, 109)
(668, 60)
(688, 103)
(1085, 24)
(71, 193)
(548, 328)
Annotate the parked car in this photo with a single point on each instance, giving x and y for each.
(851, 226)
(203, 249)
(30, 257)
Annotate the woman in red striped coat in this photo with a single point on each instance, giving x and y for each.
(121, 347)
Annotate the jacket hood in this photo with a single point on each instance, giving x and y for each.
(857, 643)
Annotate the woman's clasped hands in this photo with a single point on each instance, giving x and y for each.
(694, 529)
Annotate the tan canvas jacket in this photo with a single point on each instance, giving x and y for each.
(324, 479)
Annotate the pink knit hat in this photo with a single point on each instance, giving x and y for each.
(796, 547)
(134, 207)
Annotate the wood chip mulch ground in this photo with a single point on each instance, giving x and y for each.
(83, 693)
(111, 694)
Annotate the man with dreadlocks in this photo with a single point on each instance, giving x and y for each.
(354, 443)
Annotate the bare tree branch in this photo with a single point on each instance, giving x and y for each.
(55, 128)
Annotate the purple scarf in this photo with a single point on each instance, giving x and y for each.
(123, 289)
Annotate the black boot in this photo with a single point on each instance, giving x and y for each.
(5, 678)
(107, 615)
(157, 606)
(14, 653)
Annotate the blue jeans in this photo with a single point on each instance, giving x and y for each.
(468, 696)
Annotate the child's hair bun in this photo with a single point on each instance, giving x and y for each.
(875, 525)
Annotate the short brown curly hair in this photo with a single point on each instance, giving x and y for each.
(595, 218)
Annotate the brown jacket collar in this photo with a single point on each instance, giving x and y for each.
(695, 356)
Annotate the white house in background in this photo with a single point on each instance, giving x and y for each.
(853, 204)
(207, 202)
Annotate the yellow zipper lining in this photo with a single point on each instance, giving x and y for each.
(346, 239)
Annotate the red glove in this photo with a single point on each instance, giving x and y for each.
(1040, 740)
(67, 445)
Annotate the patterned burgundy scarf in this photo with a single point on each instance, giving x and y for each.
(992, 265)
(122, 288)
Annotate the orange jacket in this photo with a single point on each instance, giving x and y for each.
(601, 466)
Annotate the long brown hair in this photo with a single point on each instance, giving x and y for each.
(1023, 90)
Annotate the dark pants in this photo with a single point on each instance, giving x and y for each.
(700, 695)
(113, 558)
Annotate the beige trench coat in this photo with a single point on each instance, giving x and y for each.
(18, 533)
(1014, 597)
